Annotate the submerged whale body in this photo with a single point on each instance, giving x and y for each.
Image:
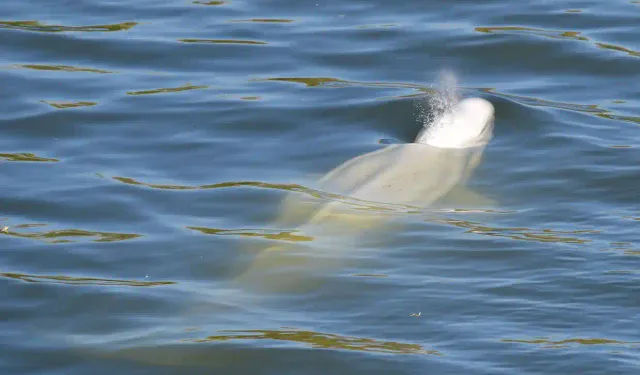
(419, 173)
(442, 157)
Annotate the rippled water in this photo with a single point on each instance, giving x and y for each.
(147, 146)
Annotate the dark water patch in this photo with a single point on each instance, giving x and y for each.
(63, 68)
(186, 87)
(68, 104)
(26, 156)
(318, 340)
(72, 235)
(261, 233)
(41, 27)
(70, 280)
(222, 41)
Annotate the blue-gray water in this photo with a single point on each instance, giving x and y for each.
(146, 146)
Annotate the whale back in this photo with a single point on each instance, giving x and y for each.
(413, 174)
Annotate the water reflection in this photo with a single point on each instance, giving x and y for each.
(555, 34)
(378, 26)
(167, 90)
(209, 2)
(70, 235)
(337, 82)
(67, 104)
(354, 203)
(287, 187)
(221, 41)
(261, 233)
(522, 234)
(551, 344)
(40, 27)
(308, 81)
(618, 48)
(63, 68)
(425, 90)
(320, 340)
(26, 156)
(376, 275)
(265, 20)
(591, 109)
(80, 280)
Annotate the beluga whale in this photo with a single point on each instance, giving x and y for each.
(356, 197)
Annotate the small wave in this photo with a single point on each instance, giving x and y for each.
(320, 340)
(70, 235)
(264, 20)
(40, 27)
(522, 234)
(566, 343)
(555, 34)
(222, 41)
(186, 87)
(26, 156)
(209, 2)
(62, 68)
(69, 280)
(290, 236)
(68, 104)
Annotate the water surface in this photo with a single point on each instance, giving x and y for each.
(146, 147)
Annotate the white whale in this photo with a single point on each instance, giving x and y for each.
(417, 174)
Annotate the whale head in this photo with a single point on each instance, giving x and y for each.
(468, 124)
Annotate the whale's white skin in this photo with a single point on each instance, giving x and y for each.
(415, 174)
(468, 124)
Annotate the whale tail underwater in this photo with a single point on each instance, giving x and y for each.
(418, 174)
